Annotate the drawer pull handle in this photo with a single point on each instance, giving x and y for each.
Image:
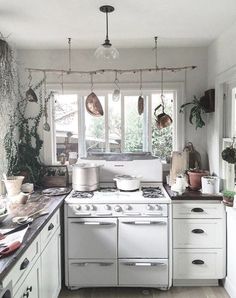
(26, 294)
(197, 210)
(197, 262)
(29, 289)
(24, 264)
(143, 264)
(94, 223)
(93, 263)
(50, 227)
(160, 222)
(197, 231)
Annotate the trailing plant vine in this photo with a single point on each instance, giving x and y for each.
(23, 154)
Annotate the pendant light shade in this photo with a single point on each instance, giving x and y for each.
(106, 51)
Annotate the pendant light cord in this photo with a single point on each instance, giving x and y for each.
(69, 52)
(155, 48)
(141, 83)
(107, 38)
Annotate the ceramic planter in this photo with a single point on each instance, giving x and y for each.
(195, 179)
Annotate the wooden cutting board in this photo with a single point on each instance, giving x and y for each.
(179, 164)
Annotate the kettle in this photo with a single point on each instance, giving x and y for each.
(162, 120)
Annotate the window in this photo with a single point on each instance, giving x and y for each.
(120, 129)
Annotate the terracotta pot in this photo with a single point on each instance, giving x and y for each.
(228, 201)
(195, 179)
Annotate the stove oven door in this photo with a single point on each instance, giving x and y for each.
(143, 238)
(94, 238)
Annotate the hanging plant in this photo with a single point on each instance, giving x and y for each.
(196, 112)
(23, 155)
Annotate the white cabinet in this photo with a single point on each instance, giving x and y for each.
(230, 281)
(31, 285)
(51, 267)
(37, 273)
(199, 242)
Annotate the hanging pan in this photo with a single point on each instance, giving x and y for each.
(141, 99)
(92, 103)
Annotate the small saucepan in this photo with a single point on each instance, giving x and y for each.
(127, 182)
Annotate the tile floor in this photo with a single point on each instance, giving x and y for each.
(177, 292)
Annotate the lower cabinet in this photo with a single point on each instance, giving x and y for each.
(51, 268)
(38, 272)
(31, 285)
(199, 242)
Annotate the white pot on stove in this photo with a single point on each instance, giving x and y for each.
(127, 182)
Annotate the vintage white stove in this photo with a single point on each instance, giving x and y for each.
(116, 238)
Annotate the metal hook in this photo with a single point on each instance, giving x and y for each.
(30, 78)
(116, 81)
(91, 77)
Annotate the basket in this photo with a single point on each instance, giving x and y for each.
(53, 176)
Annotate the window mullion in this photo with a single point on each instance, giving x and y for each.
(107, 145)
(122, 123)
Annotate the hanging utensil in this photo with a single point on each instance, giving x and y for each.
(162, 120)
(92, 103)
(141, 99)
(46, 126)
(30, 94)
(229, 153)
(116, 92)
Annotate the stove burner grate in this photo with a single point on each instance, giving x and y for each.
(108, 189)
(82, 194)
(152, 192)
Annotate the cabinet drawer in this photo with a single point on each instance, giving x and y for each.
(50, 229)
(24, 264)
(199, 264)
(30, 286)
(96, 272)
(143, 272)
(201, 210)
(199, 233)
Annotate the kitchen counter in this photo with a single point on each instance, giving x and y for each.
(191, 195)
(50, 204)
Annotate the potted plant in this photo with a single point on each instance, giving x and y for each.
(228, 198)
(196, 112)
(195, 176)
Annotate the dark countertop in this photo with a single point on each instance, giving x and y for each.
(191, 195)
(51, 205)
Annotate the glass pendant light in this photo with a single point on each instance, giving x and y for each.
(106, 51)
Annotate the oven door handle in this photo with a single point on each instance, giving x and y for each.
(143, 264)
(93, 263)
(94, 223)
(159, 222)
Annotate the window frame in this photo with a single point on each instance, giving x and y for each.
(49, 149)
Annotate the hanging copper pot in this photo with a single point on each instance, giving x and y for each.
(162, 120)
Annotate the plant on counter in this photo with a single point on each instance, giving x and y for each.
(228, 197)
(23, 153)
(196, 112)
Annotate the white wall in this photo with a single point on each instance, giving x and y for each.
(221, 61)
(131, 58)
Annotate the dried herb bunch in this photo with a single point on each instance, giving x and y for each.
(23, 153)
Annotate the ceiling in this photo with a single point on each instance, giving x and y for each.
(46, 24)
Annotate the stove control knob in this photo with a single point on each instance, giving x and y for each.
(128, 207)
(92, 207)
(107, 207)
(118, 208)
(87, 207)
(149, 207)
(78, 207)
(158, 207)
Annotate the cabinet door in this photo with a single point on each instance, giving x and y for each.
(143, 237)
(92, 238)
(51, 268)
(30, 286)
